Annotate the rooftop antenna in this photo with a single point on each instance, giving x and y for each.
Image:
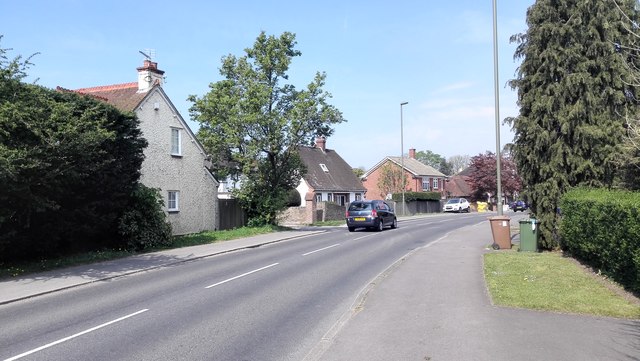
(149, 54)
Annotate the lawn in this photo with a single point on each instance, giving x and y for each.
(550, 282)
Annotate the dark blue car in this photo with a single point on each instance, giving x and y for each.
(519, 206)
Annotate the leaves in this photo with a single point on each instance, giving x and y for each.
(573, 90)
(252, 123)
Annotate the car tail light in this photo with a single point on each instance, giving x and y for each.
(346, 214)
(374, 214)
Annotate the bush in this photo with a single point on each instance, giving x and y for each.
(144, 224)
(417, 196)
(602, 228)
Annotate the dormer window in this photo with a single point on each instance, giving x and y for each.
(324, 167)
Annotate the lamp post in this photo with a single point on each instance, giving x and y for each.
(497, 108)
(402, 156)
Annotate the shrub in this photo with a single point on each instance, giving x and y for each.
(144, 224)
(417, 196)
(602, 228)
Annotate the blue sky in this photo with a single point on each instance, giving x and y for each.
(436, 55)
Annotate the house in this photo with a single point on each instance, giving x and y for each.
(459, 186)
(421, 177)
(327, 188)
(175, 161)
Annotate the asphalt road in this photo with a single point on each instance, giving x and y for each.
(273, 302)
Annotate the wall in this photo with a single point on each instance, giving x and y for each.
(187, 174)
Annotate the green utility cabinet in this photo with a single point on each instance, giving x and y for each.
(529, 235)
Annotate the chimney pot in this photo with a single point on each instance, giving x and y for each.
(412, 153)
(321, 142)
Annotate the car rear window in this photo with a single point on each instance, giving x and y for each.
(359, 206)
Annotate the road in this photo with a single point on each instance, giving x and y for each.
(273, 302)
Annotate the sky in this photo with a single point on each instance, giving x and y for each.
(436, 55)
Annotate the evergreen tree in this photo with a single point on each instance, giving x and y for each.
(573, 94)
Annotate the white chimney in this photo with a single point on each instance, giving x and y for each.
(149, 75)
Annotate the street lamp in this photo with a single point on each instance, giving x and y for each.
(497, 108)
(402, 156)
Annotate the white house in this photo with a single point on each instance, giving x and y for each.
(175, 161)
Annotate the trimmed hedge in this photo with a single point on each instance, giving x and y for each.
(602, 228)
(417, 196)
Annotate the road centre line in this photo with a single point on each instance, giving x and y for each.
(74, 336)
(242, 275)
(321, 249)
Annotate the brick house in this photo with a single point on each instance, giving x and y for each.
(421, 177)
(175, 161)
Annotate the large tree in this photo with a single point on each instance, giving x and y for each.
(252, 123)
(483, 176)
(69, 165)
(573, 94)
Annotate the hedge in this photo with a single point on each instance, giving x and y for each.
(602, 228)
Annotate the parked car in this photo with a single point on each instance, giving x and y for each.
(519, 206)
(374, 214)
(457, 205)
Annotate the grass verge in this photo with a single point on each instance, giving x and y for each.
(547, 281)
(14, 270)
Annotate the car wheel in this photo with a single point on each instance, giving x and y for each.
(394, 225)
(380, 225)
(351, 229)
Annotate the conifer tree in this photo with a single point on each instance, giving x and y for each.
(573, 94)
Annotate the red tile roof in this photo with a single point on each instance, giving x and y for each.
(122, 96)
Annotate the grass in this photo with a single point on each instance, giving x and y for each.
(18, 269)
(550, 282)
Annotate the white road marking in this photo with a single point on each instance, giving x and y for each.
(74, 336)
(321, 249)
(242, 275)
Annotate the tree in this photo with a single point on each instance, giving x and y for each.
(359, 172)
(458, 163)
(483, 176)
(434, 160)
(70, 164)
(252, 124)
(629, 159)
(573, 93)
(392, 180)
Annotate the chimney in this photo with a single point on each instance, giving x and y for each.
(412, 153)
(149, 75)
(321, 142)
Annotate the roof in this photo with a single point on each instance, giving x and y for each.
(125, 96)
(338, 175)
(412, 165)
(458, 186)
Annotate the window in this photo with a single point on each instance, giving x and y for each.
(341, 199)
(173, 201)
(358, 197)
(176, 142)
(324, 167)
(425, 185)
(435, 183)
(329, 197)
(318, 197)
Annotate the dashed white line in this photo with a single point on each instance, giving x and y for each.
(242, 275)
(74, 336)
(321, 249)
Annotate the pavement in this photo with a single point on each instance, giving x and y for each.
(431, 305)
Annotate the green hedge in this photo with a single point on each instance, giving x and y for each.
(417, 196)
(602, 228)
